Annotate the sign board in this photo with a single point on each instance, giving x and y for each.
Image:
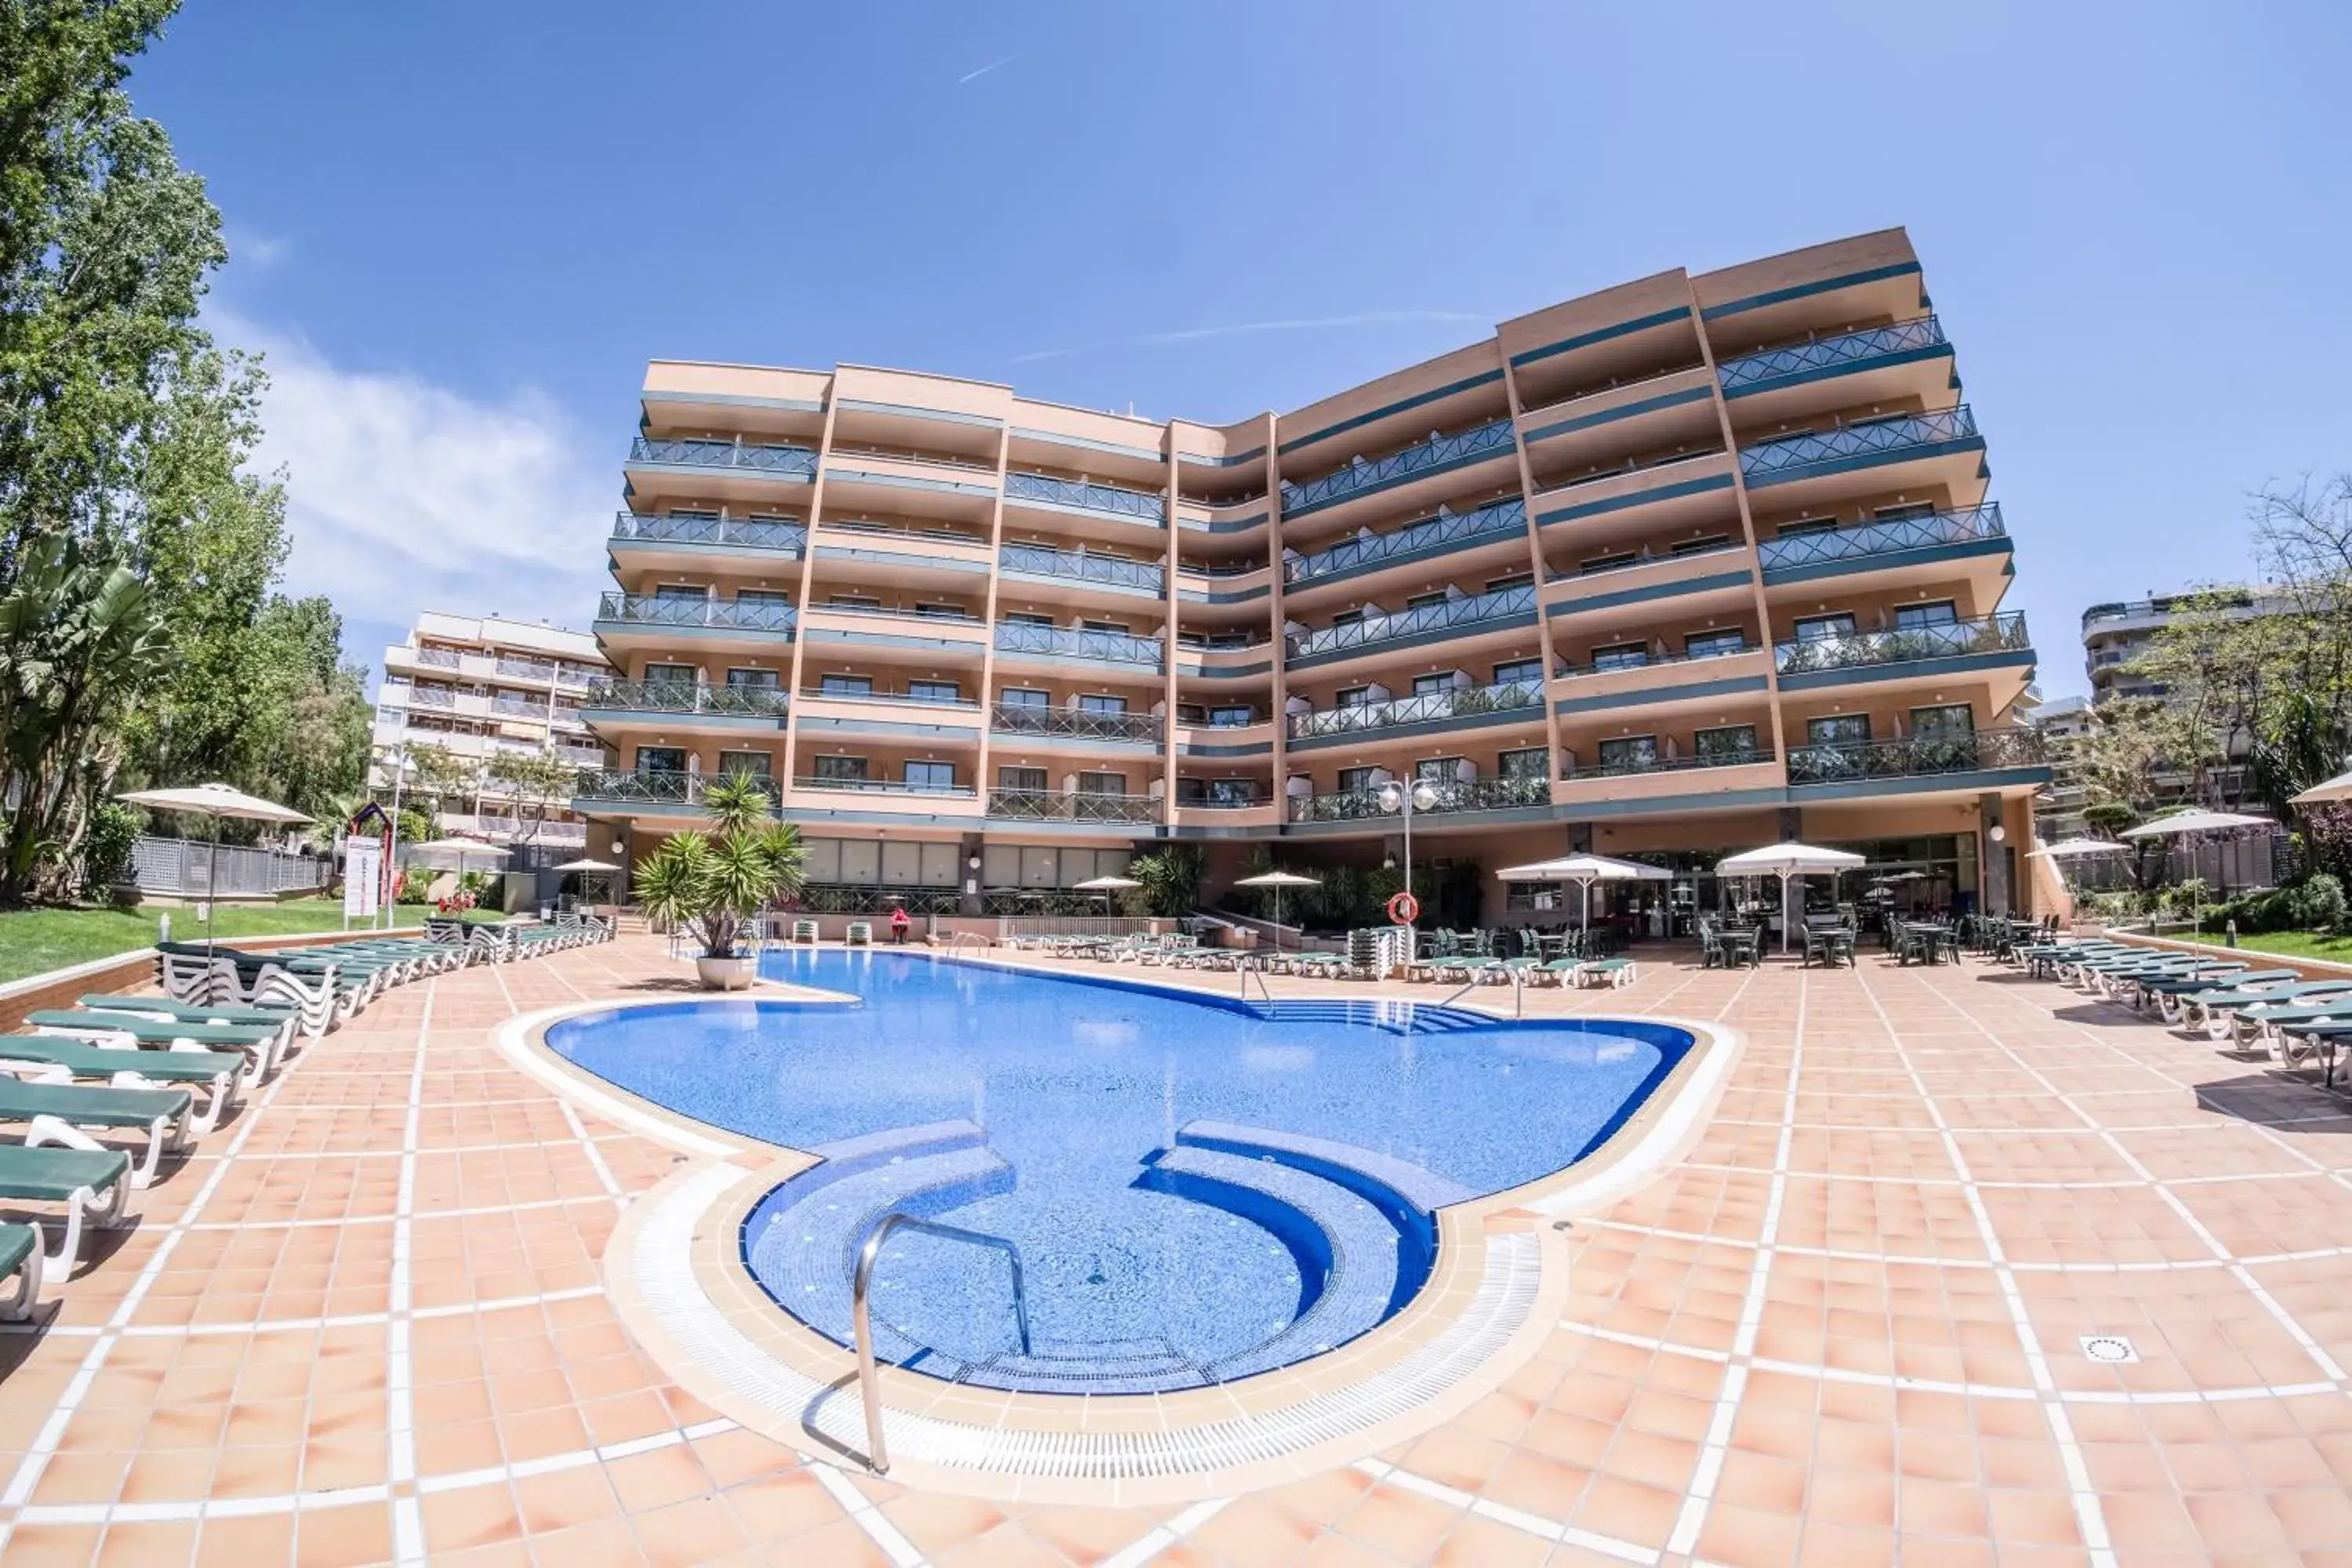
(363, 876)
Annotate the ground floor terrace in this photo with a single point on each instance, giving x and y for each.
(1865, 1312)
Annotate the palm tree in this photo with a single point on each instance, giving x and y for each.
(714, 881)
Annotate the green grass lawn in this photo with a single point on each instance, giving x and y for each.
(32, 941)
(2292, 944)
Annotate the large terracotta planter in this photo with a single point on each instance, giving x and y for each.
(727, 973)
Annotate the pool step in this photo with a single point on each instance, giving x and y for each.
(1086, 1366)
(1347, 1250)
(1395, 1017)
(803, 1242)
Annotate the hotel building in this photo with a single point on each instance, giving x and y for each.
(479, 687)
(1688, 566)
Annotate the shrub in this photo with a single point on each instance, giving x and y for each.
(2317, 902)
(106, 844)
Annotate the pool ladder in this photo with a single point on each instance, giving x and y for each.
(870, 1379)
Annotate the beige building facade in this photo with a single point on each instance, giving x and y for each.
(1684, 566)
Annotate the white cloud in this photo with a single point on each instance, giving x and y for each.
(252, 248)
(992, 65)
(403, 495)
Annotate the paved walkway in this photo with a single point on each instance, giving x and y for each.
(366, 1324)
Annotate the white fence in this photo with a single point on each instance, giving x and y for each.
(186, 866)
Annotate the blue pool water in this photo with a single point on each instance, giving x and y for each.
(1200, 1188)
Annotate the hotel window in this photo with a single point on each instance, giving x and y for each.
(1088, 623)
(1622, 656)
(661, 758)
(1528, 762)
(1216, 792)
(1438, 769)
(1348, 618)
(1838, 730)
(1695, 546)
(1713, 645)
(1022, 697)
(1920, 617)
(752, 680)
(935, 691)
(693, 514)
(1608, 563)
(842, 770)
(1721, 745)
(1352, 696)
(1358, 780)
(1031, 780)
(1095, 702)
(1629, 754)
(1946, 721)
(1231, 717)
(672, 675)
(1025, 618)
(1516, 580)
(929, 777)
(751, 764)
(765, 607)
(1806, 525)
(1102, 784)
(673, 592)
(946, 612)
(1519, 672)
(1824, 628)
(1907, 511)
(852, 601)
(1423, 601)
(844, 685)
(1431, 685)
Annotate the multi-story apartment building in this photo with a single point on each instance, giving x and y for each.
(2058, 809)
(2114, 635)
(479, 687)
(1684, 566)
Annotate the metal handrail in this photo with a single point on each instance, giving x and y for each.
(1964, 526)
(797, 460)
(1749, 372)
(1085, 496)
(686, 697)
(2003, 632)
(1047, 805)
(1743, 757)
(861, 1312)
(1912, 756)
(1477, 795)
(643, 609)
(758, 533)
(1430, 533)
(1084, 723)
(1042, 561)
(1383, 629)
(1794, 454)
(1452, 702)
(1433, 456)
(1119, 647)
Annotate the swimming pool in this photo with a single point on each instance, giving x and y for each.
(1199, 1188)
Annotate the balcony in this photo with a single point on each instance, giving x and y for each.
(1995, 634)
(723, 532)
(1046, 805)
(440, 657)
(1432, 456)
(1075, 724)
(786, 462)
(1467, 614)
(1076, 565)
(1475, 794)
(1813, 453)
(686, 697)
(1060, 642)
(1746, 757)
(1804, 553)
(821, 694)
(1078, 495)
(1437, 535)
(645, 610)
(431, 696)
(886, 786)
(1915, 756)
(1772, 368)
(651, 787)
(1461, 702)
(948, 617)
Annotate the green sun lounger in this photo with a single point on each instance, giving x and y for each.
(93, 1186)
(65, 1110)
(256, 1044)
(282, 1021)
(65, 1060)
(20, 1259)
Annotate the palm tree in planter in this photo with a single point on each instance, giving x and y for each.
(715, 882)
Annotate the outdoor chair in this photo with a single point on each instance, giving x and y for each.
(20, 1259)
(61, 1110)
(57, 1058)
(92, 1184)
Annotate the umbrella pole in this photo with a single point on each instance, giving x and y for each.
(212, 887)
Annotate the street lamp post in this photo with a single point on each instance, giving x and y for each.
(392, 849)
(1398, 799)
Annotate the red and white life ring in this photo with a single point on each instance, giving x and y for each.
(1404, 909)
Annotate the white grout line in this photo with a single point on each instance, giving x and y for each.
(2120, 1183)
(1691, 1517)
(596, 1156)
(1160, 1537)
(399, 1369)
(2090, 1514)
(1517, 1519)
(483, 1212)
(885, 1536)
(1921, 1260)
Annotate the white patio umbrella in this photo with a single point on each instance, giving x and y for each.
(459, 849)
(1584, 871)
(1278, 880)
(2333, 792)
(1788, 861)
(588, 865)
(1105, 886)
(2193, 825)
(2067, 849)
(215, 801)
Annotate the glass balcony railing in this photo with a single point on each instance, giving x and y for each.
(884, 786)
(1077, 724)
(1430, 457)
(842, 694)
(946, 614)
(1738, 757)
(1360, 718)
(431, 696)
(1137, 505)
(2001, 633)
(1752, 372)
(1911, 756)
(1115, 647)
(1893, 538)
(1454, 614)
(1440, 533)
(1047, 805)
(641, 609)
(654, 786)
(686, 697)
(746, 533)
(792, 462)
(1079, 566)
(1791, 456)
(1477, 795)
(1619, 662)
(526, 668)
(440, 657)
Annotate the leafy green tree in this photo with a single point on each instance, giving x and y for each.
(437, 774)
(540, 784)
(1170, 877)
(716, 881)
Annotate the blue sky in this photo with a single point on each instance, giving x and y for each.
(461, 231)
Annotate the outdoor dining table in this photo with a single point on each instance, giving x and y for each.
(1930, 943)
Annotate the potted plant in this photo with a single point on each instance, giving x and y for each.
(714, 882)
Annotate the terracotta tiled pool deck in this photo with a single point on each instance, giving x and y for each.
(368, 1322)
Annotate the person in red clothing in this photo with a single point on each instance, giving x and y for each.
(898, 924)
